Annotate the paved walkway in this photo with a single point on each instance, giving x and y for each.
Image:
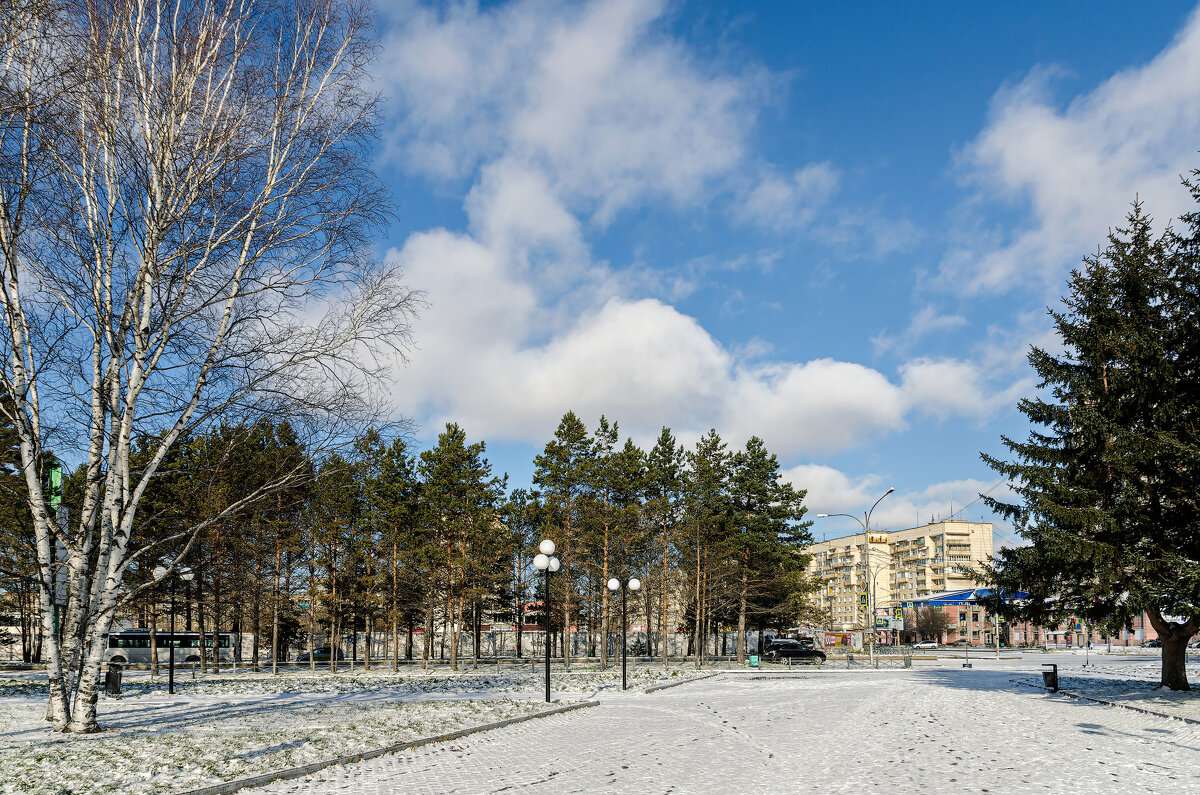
(937, 731)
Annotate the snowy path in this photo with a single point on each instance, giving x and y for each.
(941, 731)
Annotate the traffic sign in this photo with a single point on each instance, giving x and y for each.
(862, 599)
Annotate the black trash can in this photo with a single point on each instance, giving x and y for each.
(112, 680)
(1050, 678)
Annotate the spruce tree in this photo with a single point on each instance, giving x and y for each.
(1107, 479)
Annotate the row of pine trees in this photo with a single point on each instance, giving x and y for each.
(403, 549)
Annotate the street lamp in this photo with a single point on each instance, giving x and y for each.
(545, 561)
(865, 522)
(631, 584)
(180, 573)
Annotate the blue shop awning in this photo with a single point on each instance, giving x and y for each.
(967, 596)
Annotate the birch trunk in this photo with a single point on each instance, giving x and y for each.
(134, 277)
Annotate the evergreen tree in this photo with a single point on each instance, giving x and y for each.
(462, 500)
(664, 509)
(564, 471)
(394, 504)
(522, 514)
(706, 489)
(767, 525)
(1107, 484)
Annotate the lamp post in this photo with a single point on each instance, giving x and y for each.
(545, 561)
(865, 522)
(185, 574)
(632, 584)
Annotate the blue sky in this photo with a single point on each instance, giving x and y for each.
(835, 226)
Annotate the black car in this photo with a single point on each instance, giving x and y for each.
(781, 643)
(321, 654)
(785, 652)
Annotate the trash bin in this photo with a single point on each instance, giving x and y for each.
(1050, 678)
(112, 680)
(753, 660)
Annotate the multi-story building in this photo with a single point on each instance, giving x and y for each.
(899, 566)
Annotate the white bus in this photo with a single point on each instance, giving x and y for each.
(132, 647)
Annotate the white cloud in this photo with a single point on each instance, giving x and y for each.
(790, 201)
(501, 359)
(802, 202)
(945, 387)
(609, 110)
(831, 491)
(927, 320)
(1078, 168)
(558, 112)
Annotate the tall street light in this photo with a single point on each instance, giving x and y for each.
(544, 561)
(865, 522)
(631, 584)
(180, 573)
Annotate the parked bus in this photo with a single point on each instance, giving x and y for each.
(132, 646)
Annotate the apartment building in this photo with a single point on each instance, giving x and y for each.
(899, 565)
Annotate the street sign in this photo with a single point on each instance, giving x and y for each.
(862, 599)
(882, 622)
(896, 623)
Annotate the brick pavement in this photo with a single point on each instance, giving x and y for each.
(937, 731)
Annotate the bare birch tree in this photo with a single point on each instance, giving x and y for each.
(185, 206)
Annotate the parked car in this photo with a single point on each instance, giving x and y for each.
(793, 651)
(1195, 644)
(321, 654)
(1152, 644)
(779, 643)
(925, 644)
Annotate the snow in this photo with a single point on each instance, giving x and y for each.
(221, 727)
(937, 728)
(1133, 685)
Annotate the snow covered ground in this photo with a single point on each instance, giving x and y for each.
(1133, 684)
(936, 728)
(929, 730)
(227, 726)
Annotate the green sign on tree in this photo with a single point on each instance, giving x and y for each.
(55, 487)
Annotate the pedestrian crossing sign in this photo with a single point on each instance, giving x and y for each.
(862, 599)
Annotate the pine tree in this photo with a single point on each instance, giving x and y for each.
(1107, 485)
(706, 488)
(767, 527)
(393, 499)
(664, 507)
(461, 500)
(563, 470)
